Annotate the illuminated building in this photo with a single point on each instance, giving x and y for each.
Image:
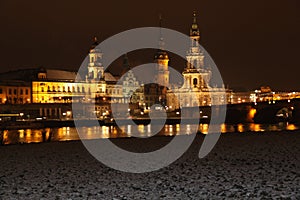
(157, 93)
(15, 92)
(196, 89)
(59, 86)
(132, 90)
(48, 86)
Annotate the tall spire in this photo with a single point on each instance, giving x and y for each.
(161, 53)
(161, 43)
(194, 17)
(126, 65)
(160, 19)
(95, 43)
(194, 31)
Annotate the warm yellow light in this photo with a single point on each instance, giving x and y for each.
(141, 128)
(252, 113)
(223, 128)
(240, 128)
(291, 127)
(69, 113)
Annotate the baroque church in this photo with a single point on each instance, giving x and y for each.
(196, 89)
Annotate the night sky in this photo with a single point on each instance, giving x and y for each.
(253, 43)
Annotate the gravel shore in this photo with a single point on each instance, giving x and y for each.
(242, 165)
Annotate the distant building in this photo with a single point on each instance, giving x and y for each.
(15, 92)
(156, 93)
(132, 90)
(242, 97)
(196, 89)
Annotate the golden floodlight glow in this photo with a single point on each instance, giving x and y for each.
(251, 113)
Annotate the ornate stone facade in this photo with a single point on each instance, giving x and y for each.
(196, 89)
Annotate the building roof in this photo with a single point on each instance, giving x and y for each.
(54, 74)
(109, 77)
(161, 54)
(24, 75)
(15, 83)
(28, 75)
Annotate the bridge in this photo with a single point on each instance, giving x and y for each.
(265, 112)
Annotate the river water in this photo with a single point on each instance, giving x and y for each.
(98, 132)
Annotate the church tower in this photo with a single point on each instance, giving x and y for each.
(161, 59)
(126, 66)
(195, 75)
(194, 56)
(95, 67)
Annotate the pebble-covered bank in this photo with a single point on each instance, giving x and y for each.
(244, 165)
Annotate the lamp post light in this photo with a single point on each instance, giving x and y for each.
(21, 115)
(69, 114)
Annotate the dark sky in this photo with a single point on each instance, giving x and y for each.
(252, 42)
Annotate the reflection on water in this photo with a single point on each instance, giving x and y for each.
(97, 132)
(291, 127)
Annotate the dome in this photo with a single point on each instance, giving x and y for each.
(161, 55)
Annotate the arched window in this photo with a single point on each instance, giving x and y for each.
(91, 74)
(53, 89)
(195, 82)
(100, 75)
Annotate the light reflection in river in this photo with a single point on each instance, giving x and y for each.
(291, 127)
(97, 132)
(240, 128)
